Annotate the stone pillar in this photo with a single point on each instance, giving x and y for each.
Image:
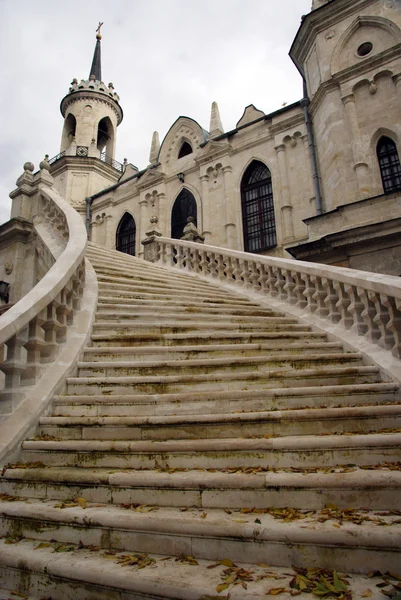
(143, 220)
(286, 206)
(231, 233)
(162, 216)
(312, 198)
(360, 166)
(206, 233)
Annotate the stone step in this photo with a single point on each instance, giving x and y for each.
(142, 353)
(222, 305)
(127, 292)
(157, 316)
(276, 339)
(278, 452)
(91, 574)
(378, 485)
(159, 286)
(160, 327)
(362, 419)
(215, 365)
(174, 532)
(183, 310)
(191, 402)
(164, 384)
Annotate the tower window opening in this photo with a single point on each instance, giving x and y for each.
(185, 150)
(259, 224)
(126, 235)
(389, 163)
(105, 136)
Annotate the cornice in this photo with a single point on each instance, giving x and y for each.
(86, 163)
(91, 95)
(319, 20)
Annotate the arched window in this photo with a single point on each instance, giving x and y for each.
(126, 234)
(257, 208)
(185, 150)
(105, 136)
(184, 207)
(389, 164)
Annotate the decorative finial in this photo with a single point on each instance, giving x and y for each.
(98, 34)
(28, 166)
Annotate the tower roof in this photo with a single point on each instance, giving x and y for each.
(96, 68)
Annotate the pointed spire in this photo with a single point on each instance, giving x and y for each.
(96, 68)
(154, 148)
(216, 128)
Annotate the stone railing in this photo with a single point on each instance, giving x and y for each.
(33, 331)
(365, 304)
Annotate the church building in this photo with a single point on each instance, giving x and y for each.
(318, 180)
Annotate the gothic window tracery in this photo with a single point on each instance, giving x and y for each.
(126, 235)
(184, 207)
(389, 163)
(259, 225)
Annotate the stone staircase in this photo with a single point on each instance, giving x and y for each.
(202, 429)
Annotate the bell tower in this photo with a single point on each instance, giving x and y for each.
(91, 111)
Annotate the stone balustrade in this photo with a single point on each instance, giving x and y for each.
(366, 304)
(35, 328)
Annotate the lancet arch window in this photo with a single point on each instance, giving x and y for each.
(259, 224)
(183, 207)
(185, 150)
(126, 235)
(389, 163)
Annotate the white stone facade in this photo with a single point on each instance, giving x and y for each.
(349, 54)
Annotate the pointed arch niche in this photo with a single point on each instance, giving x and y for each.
(105, 137)
(389, 163)
(126, 235)
(258, 220)
(70, 125)
(183, 207)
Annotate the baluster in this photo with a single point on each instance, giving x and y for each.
(51, 328)
(271, 280)
(331, 300)
(289, 287)
(309, 293)
(167, 257)
(254, 276)
(179, 258)
(203, 262)
(280, 283)
(195, 260)
(221, 267)
(213, 265)
(61, 315)
(237, 270)
(15, 362)
(245, 274)
(368, 314)
(35, 347)
(229, 269)
(393, 306)
(298, 290)
(381, 320)
(319, 296)
(356, 308)
(343, 304)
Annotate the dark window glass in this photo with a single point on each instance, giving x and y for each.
(184, 207)
(126, 234)
(258, 209)
(185, 150)
(389, 163)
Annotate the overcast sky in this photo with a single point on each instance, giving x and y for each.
(166, 58)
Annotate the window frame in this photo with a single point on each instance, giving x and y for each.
(264, 226)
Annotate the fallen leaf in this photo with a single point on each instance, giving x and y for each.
(367, 593)
(275, 591)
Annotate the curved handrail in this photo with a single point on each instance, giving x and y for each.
(367, 303)
(46, 290)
